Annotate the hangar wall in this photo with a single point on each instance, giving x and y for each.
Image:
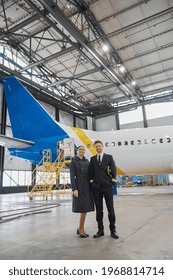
(106, 123)
(163, 121)
(135, 119)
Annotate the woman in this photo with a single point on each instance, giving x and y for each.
(82, 198)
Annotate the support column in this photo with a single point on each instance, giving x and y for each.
(2, 149)
(57, 114)
(94, 124)
(117, 121)
(74, 120)
(144, 116)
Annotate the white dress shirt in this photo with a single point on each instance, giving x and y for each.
(101, 157)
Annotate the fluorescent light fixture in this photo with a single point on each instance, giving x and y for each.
(78, 112)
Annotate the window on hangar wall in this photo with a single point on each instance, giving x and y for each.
(131, 116)
(159, 110)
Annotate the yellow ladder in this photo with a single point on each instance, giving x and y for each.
(45, 175)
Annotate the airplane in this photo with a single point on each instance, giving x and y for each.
(135, 151)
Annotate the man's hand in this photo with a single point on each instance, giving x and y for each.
(114, 180)
(75, 193)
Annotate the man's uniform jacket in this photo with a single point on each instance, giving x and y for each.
(104, 173)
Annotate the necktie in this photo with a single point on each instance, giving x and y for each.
(99, 159)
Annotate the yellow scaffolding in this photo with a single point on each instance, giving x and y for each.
(46, 175)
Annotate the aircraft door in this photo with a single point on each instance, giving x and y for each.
(68, 148)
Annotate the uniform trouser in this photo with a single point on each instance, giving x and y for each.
(98, 195)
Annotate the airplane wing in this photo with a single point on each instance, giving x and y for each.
(11, 142)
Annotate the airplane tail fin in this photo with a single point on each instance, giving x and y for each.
(29, 120)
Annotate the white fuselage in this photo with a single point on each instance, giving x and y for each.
(136, 151)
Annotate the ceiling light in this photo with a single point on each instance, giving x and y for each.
(69, 5)
(105, 48)
(78, 112)
(133, 83)
(122, 69)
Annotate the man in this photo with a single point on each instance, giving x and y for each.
(102, 171)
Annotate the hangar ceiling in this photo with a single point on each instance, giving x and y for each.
(93, 56)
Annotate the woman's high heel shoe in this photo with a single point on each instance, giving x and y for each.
(82, 235)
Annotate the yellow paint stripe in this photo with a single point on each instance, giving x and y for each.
(85, 139)
(89, 144)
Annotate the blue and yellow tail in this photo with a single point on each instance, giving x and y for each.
(28, 118)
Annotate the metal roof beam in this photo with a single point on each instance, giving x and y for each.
(7, 34)
(58, 14)
(48, 58)
(107, 68)
(77, 76)
(125, 10)
(160, 90)
(41, 88)
(93, 91)
(150, 51)
(140, 22)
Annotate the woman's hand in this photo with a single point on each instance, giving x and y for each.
(75, 193)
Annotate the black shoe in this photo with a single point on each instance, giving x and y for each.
(83, 236)
(87, 235)
(114, 235)
(98, 234)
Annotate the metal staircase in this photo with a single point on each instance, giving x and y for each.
(46, 175)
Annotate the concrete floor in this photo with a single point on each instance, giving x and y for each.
(46, 230)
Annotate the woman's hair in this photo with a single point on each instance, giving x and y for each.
(79, 147)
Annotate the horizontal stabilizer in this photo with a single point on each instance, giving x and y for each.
(11, 142)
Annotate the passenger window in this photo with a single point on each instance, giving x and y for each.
(161, 140)
(106, 144)
(168, 140)
(119, 143)
(145, 141)
(132, 142)
(113, 143)
(138, 142)
(153, 141)
(125, 143)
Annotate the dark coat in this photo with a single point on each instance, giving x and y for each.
(80, 181)
(104, 173)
